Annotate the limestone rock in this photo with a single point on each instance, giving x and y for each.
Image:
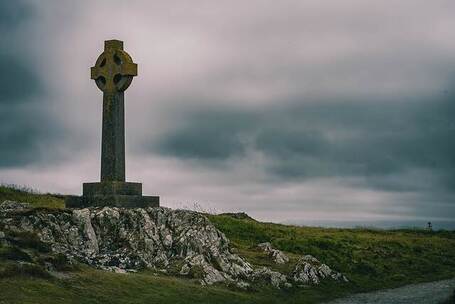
(309, 270)
(275, 278)
(278, 256)
(242, 285)
(10, 205)
(120, 239)
(2, 238)
(178, 242)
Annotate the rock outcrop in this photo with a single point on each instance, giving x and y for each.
(277, 256)
(178, 242)
(309, 270)
(275, 278)
(126, 239)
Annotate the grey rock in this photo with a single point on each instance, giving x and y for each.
(309, 270)
(288, 285)
(275, 278)
(11, 205)
(121, 239)
(277, 256)
(242, 285)
(170, 241)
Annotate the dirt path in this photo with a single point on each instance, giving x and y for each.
(425, 293)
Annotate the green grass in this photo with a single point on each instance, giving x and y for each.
(371, 259)
(93, 286)
(30, 196)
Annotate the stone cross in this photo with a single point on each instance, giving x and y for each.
(113, 72)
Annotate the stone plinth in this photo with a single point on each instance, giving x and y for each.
(112, 188)
(112, 194)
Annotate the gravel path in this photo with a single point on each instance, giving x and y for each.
(425, 293)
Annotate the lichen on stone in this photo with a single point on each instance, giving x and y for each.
(177, 242)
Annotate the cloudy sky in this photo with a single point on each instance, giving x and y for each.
(305, 111)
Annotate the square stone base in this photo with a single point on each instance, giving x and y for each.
(122, 201)
(112, 194)
(111, 188)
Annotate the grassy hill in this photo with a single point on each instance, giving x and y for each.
(33, 197)
(371, 259)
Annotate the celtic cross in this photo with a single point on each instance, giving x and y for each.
(113, 72)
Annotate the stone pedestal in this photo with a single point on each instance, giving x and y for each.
(112, 194)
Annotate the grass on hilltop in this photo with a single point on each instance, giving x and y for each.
(33, 197)
(371, 259)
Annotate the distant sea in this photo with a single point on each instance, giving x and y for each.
(378, 224)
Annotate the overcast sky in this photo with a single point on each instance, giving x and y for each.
(292, 111)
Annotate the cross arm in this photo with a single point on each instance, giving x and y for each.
(128, 69)
(95, 72)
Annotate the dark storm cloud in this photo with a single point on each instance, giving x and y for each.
(27, 136)
(375, 140)
(208, 135)
(27, 128)
(19, 83)
(13, 13)
(362, 138)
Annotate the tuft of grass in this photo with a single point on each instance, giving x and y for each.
(27, 270)
(33, 197)
(14, 253)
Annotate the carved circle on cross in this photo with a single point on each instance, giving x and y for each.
(114, 69)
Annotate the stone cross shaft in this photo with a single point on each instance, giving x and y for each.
(113, 72)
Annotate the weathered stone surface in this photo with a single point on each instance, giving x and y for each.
(113, 200)
(275, 278)
(113, 72)
(124, 239)
(277, 256)
(112, 188)
(11, 205)
(178, 242)
(309, 270)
